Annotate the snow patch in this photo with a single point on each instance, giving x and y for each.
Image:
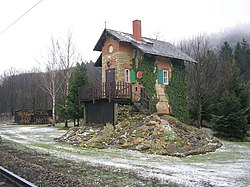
(228, 166)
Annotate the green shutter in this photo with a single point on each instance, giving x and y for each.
(160, 76)
(132, 76)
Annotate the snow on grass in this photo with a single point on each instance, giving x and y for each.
(228, 166)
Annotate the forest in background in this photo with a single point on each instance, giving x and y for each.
(24, 90)
(219, 84)
(221, 75)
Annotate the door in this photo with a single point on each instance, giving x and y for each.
(101, 112)
(110, 83)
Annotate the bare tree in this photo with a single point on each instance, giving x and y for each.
(10, 90)
(68, 56)
(60, 61)
(51, 80)
(204, 78)
(20, 90)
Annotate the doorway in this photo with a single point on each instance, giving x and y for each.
(110, 82)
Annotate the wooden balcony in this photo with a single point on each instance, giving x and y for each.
(114, 91)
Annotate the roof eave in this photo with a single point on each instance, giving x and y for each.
(98, 45)
(105, 34)
(98, 62)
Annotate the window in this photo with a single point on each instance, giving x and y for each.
(127, 75)
(162, 76)
(165, 76)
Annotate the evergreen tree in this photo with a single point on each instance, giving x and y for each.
(226, 52)
(230, 120)
(79, 78)
(226, 59)
(74, 109)
(233, 105)
(242, 58)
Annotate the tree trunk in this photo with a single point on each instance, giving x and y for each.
(199, 116)
(66, 101)
(66, 122)
(53, 110)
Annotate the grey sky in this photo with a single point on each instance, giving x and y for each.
(24, 42)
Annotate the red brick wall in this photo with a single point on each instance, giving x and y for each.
(110, 41)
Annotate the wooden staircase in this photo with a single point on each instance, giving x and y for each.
(140, 108)
(144, 104)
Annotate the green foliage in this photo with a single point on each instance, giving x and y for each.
(149, 70)
(134, 61)
(232, 109)
(242, 58)
(177, 91)
(231, 118)
(170, 135)
(74, 109)
(226, 52)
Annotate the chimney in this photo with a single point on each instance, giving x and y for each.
(137, 30)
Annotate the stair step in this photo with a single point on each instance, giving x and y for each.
(140, 108)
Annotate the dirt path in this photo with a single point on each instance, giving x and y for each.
(228, 166)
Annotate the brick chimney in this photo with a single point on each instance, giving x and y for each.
(137, 30)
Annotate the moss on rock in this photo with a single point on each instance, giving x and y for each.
(153, 134)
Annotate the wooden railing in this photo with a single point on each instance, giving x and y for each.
(145, 100)
(113, 90)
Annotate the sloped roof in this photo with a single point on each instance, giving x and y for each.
(147, 45)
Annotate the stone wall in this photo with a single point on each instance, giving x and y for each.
(163, 106)
(108, 57)
(121, 58)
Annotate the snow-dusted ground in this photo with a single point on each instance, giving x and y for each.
(228, 166)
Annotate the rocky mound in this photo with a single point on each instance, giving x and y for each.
(153, 134)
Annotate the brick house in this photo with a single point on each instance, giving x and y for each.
(118, 52)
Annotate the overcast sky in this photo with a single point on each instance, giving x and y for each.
(26, 40)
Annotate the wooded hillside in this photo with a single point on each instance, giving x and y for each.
(23, 90)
